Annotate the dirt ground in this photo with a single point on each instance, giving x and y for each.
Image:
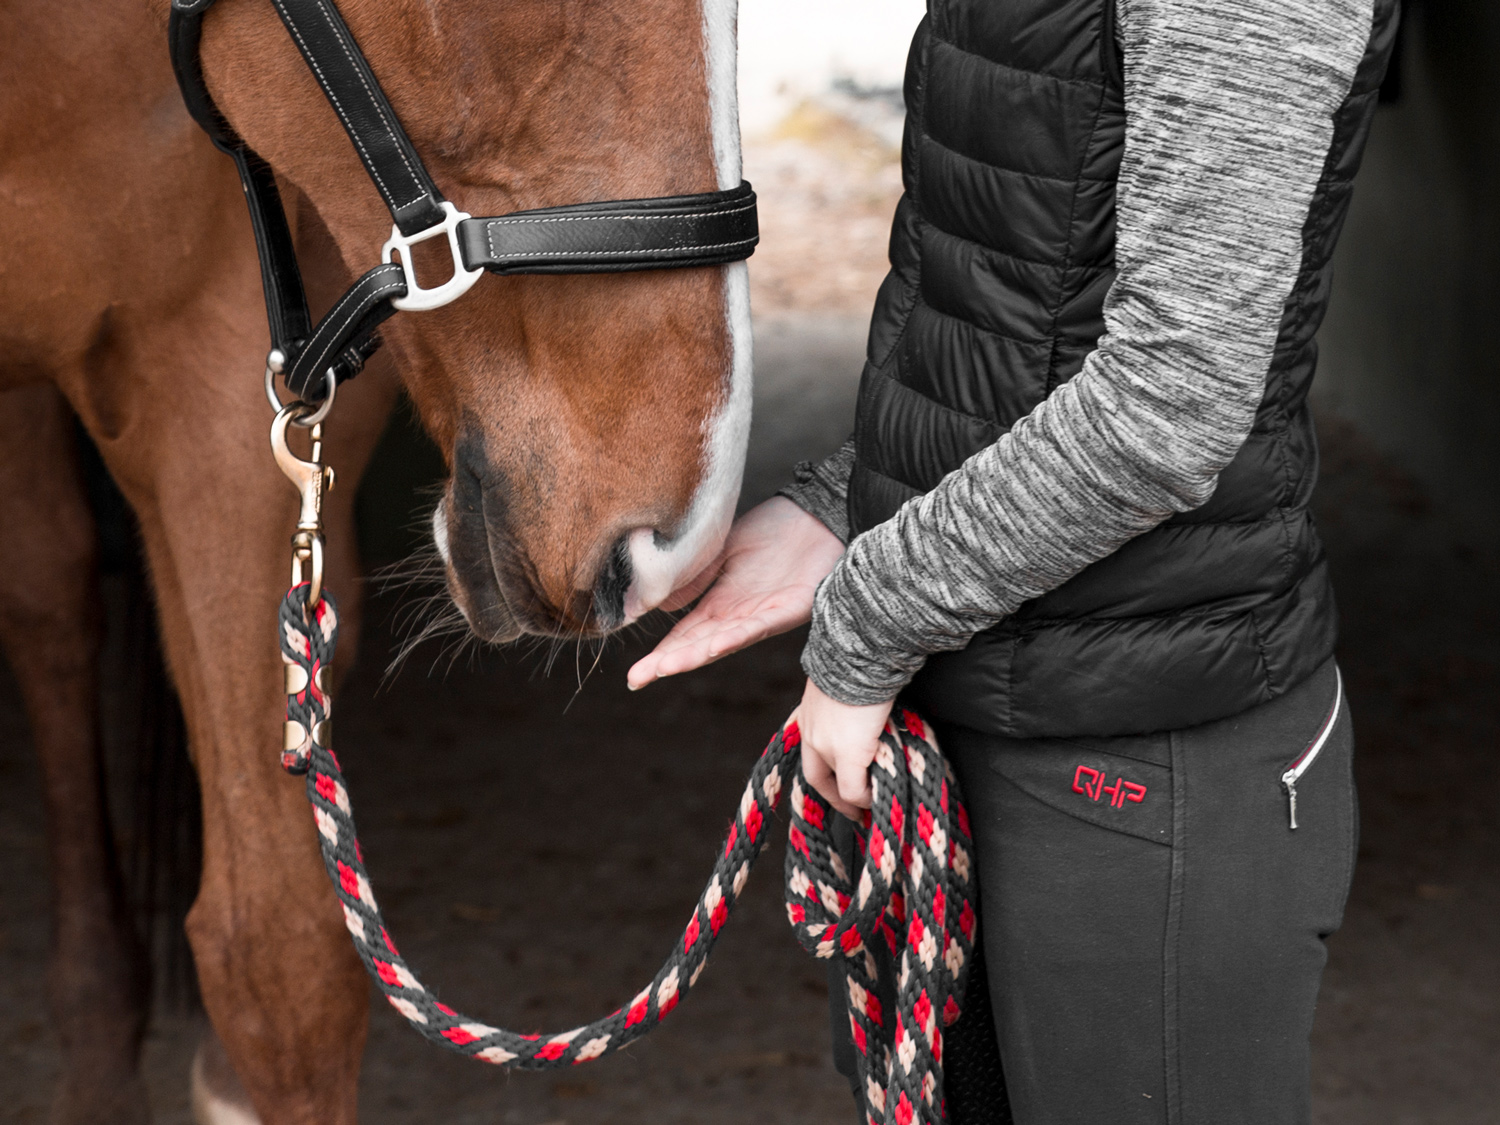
(538, 834)
(827, 189)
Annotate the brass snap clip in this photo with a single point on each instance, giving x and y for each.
(312, 479)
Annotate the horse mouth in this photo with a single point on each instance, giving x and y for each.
(473, 587)
(612, 587)
(492, 585)
(588, 582)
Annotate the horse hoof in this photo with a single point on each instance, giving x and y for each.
(218, 1097)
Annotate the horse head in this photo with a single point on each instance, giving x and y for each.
(594, 425)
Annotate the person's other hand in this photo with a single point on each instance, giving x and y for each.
(839, 741)
(762, 584)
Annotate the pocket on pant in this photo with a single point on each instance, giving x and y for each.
(1298, 767)
(1108, 790)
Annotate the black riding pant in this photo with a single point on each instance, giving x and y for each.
(1152, 925)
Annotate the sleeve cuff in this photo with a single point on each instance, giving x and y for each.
(822, 490)
(848, 655)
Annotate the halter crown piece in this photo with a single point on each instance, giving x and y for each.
(662, 232)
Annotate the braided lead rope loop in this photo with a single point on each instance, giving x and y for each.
(918, 825)
(912, 904)
(310, 648)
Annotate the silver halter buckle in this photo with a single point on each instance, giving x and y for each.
(463, 279)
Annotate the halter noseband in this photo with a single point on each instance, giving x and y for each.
(663, 232)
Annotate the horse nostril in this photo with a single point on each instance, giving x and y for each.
(609, 589)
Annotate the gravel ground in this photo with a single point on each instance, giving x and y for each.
(538, 837)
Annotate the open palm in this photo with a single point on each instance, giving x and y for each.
(761, 584)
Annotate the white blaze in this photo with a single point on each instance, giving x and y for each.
(658, 567)
(440, 535)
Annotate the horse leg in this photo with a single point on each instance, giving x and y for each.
(50, 628)
(281, 984)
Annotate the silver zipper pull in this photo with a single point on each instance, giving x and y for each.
(1289, 782)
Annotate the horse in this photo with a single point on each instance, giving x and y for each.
(593, 426)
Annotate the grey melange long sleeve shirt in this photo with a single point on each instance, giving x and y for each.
(1229, 119)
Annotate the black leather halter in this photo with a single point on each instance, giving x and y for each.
(663, 232)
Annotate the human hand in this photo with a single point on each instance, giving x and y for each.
(762, 584)
(839, 741)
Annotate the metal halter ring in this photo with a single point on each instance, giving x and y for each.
(463, 279)
(314, 414)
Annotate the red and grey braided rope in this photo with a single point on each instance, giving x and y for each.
(904, 922)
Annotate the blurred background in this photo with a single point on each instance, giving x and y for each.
(539, 834)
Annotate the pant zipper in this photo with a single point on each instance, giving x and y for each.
(1295, 771)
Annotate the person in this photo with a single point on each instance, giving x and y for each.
(1071, 529)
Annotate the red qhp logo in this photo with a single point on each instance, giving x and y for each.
(1090, 783)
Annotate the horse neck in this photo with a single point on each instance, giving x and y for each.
(117, 199)
(100, 69)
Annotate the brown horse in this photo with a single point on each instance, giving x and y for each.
(582, 418)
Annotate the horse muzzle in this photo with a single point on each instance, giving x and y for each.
(491, 579)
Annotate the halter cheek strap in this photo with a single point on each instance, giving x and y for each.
(664, 232)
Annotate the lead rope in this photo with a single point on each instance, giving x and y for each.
(910, 905)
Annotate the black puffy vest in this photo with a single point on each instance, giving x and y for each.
(1001, 253)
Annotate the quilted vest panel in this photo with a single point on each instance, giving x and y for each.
(1002, 251)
